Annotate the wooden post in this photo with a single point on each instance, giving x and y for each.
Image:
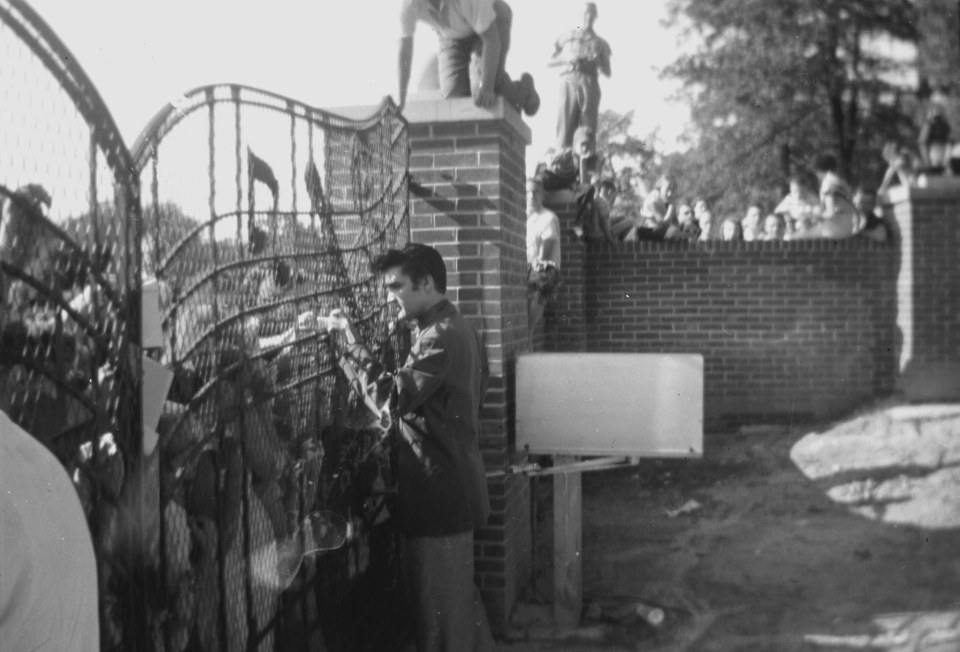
(567, 544)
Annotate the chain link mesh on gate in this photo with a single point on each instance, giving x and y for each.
(69, 282)
(258, 210)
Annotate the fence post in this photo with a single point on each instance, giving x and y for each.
(928, 297)
(467, 168)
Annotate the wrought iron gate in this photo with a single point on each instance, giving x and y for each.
(260, 520)
(260, 212)
(69, 311)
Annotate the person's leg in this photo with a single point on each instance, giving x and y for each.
(447, 612)
(453, 65)
(589, 101)
(519, 94)
(568, 116)
(505, 28)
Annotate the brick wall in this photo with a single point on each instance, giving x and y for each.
(467, 188)
(787, 330)
(928, 314)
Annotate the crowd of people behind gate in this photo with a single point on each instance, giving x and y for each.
(820, 204)
(441, 492)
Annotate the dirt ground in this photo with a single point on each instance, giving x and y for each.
(842, 536)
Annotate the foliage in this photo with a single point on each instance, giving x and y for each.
(772, 83)
(630, 160)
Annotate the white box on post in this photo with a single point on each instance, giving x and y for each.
(631, 404)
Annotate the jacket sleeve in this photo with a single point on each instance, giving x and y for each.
(423, 375)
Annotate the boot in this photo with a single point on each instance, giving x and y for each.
(531, 103)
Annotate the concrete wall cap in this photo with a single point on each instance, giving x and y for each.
(926, 188)
(422, 108)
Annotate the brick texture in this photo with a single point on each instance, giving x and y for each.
(467, 187)
(787, 330)
(928, 315)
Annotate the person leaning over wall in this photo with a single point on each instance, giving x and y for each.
(839, 217)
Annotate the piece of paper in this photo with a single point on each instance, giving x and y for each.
(151, 332)
(156, 386)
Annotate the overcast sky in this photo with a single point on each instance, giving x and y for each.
(331, 53)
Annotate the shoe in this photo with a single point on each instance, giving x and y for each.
(532, 103)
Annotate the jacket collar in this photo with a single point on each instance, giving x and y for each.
(442, 308)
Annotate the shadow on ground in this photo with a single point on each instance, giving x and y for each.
(838, 537)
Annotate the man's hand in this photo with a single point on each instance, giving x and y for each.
(483, 94)
(484, 97)
(306, 322)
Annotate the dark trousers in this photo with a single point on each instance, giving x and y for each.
(459, 63)
(448, 613)
(579, 106)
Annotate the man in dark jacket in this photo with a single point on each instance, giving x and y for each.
(441, 483)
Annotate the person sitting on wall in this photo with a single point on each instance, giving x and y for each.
(659, 206)
(839, 217)
(595, 210)
(572, 168)
(875, 226)
(474, 40)
(801, 206)
(901, 168)
(543, 253)
(934, 140)
(657, 218)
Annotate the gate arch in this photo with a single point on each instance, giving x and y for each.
(69, 314)
(259, 209)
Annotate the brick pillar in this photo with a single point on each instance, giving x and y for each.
(467, 168)
(928, 291)
(565, 320)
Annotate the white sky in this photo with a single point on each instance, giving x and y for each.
(331, 53)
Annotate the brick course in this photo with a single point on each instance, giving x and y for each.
(468, 199)
(928, 314)
(788, 330)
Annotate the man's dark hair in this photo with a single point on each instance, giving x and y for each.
(825, 163)
(608, 184)
(416, 261)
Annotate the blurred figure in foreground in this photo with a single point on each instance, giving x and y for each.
(48, 572)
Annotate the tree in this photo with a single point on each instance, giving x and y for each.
(773, 82)
(628, 159)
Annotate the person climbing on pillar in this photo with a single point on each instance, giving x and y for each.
(474, 41)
